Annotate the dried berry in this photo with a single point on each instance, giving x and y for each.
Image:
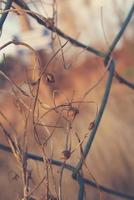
(91, 125)
(66, 154)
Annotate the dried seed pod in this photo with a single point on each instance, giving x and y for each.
(73, 111)
(13, 176)
(50, 78)
(91, 125)
(66, 154)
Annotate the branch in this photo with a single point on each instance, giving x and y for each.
(124, 81)
(71, 168)
(81, 187)
(4, 15)
(45, 22)
(119, 34)
(98, 118)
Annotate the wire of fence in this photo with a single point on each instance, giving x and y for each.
(4, 15)
(106, 55)
(71, 168)
(109, 62)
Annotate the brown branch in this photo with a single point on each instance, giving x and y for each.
(46, 22)
(124, 81)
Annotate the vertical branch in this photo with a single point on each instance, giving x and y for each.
(4, 15)
(81, 188)
(119, 34)
(98, 118)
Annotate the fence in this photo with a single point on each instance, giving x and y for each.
(110, 64)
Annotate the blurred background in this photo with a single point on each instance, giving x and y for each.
(67, 78)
